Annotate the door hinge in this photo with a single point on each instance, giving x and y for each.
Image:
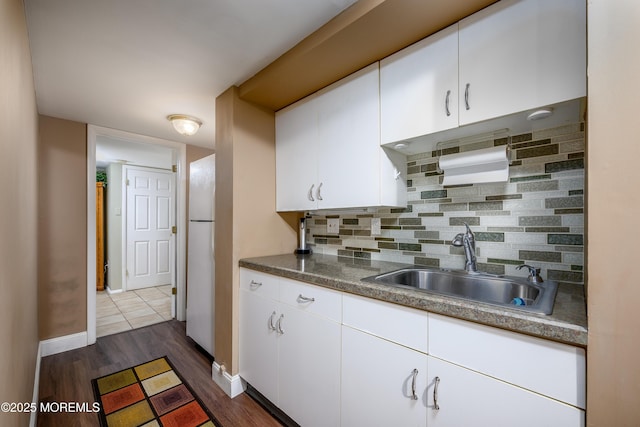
(174, 291)
(127, 272)
(127, 182)
(174, 168)
(174, 229)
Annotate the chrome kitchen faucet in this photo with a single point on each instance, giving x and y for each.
(468, 241)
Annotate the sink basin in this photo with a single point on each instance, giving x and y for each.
(512, 292)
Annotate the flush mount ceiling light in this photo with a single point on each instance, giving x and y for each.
(184, 125)
(540, 114)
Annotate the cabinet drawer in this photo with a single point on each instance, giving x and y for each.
(402, 325)
(257, 283)
(313, 299)
(550, 368)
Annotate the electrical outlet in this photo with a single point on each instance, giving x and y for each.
(376, 227)
(333, 225)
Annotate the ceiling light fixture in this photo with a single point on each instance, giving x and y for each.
(184, 125)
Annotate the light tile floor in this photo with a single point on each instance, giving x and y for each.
(130, 310)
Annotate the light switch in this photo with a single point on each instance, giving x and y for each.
(333, 225)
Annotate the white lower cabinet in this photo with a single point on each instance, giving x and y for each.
(468, 398)
(332, 359)
(309, 368)
(258, 344)
(290, 346)
(383, 383)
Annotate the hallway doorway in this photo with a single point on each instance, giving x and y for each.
(119, 308)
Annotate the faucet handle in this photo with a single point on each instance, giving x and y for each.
(534, 273)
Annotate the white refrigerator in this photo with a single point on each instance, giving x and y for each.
(200, 263)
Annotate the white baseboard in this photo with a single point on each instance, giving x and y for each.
(65, 343)
(113, 291)
(232, 385)
(33, 419)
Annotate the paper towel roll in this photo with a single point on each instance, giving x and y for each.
(473, 167)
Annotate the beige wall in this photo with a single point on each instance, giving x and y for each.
(613, 356)
(247, 224)
(62, 227)
(18, 214)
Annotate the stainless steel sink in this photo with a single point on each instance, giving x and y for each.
(512, 292)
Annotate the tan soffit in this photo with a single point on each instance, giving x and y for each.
(365, 33)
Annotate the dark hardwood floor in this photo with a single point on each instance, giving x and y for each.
(66, 377)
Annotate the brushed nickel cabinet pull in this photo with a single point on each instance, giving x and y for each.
(302, 298)
(310, 193)
(279, 324)
(272, 327)
(446, 103)
(318, 195)
(466, 96)
(435, 394)
(254, 285)
(414, 396)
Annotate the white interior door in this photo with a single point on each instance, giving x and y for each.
(150, 217)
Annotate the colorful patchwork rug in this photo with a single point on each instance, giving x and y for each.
(150, 394)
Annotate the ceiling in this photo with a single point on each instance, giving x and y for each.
(127, 64)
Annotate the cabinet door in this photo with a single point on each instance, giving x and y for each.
(521, 54)
(419, 88)
(258, 345)
(296, 156)
(552, 369)
(349, 141)
(377, 378)
(309, 368)
(467, 398)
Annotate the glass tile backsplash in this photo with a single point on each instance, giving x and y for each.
(537, 217)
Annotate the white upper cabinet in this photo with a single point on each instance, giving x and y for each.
(348, 145)
(419, 88)
(296, 156)
(328, 153)
(510, 57)
(521, 54)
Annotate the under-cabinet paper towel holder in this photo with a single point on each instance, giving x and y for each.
(444, 146)
(483, 163)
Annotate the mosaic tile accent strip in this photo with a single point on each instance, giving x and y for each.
(146, 393)
(537, 217)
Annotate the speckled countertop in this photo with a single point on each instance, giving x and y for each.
(567, 324)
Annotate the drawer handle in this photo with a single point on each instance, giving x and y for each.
(279, 325)
(435, 394)
(466, 96)
(310, 193)
(446, 103)
(271, 326)
(414, 396)
(302, 298)
(254, 285)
